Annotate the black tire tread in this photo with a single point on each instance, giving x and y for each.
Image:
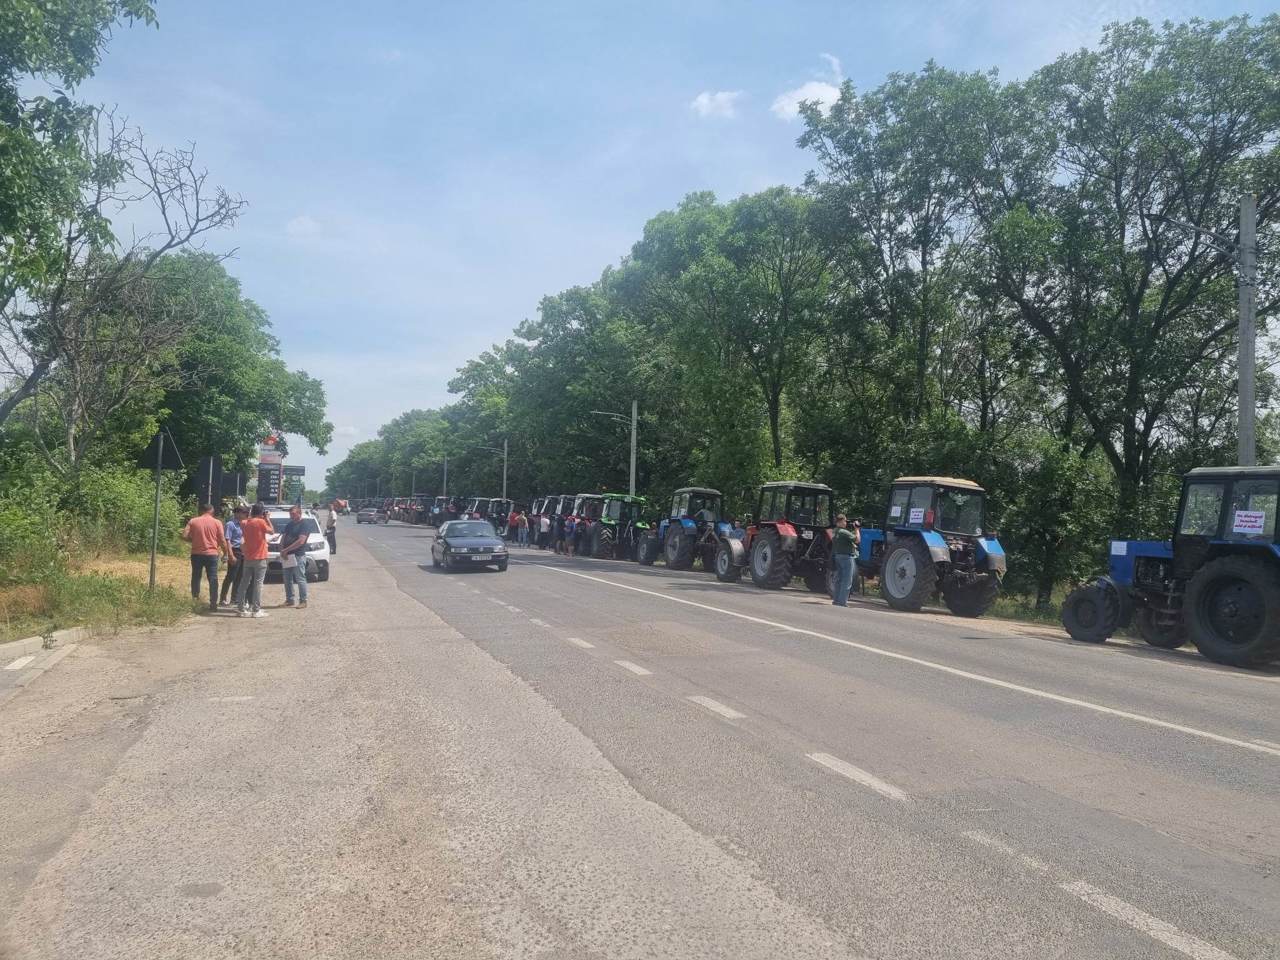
(1262, 574)
(926, 578)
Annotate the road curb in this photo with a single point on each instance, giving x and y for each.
(20, 648)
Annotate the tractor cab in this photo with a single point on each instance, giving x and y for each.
(1216, 583)
(934, 540)
(790, 536)
(691, 529)
(587, 506)
(620, 527)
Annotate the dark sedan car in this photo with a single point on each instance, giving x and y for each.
(468, 543)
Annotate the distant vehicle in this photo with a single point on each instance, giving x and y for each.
(468, 543)
(498, 513)
(373, 513)
(317, 546)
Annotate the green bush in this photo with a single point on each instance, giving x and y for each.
(113, 509)
(29, 547)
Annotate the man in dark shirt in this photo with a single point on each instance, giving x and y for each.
(293, 557)
(843, 543)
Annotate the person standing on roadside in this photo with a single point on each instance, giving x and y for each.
(544, 529)
(843, 544)
(293, 557)
(255, 531)
(331, 528)
(235, 540)
(204, 533)
(522, 529)
(570, 529)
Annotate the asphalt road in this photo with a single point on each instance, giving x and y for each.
(580, 759)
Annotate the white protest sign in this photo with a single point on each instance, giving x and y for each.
(1249, 522)
(917, 515)
(895, 512)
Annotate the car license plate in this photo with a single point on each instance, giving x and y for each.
(482, 557)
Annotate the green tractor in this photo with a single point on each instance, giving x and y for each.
(618, 531)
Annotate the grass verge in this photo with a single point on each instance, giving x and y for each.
(103, 594)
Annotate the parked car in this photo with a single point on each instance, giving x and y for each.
(317, 546)
(373, 513)
(468, 543)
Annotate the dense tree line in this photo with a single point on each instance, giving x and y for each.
(980, 278)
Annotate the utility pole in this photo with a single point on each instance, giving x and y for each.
(635, 418)
(413, 482)
(155, 515)
(1248, 257)
(504, 468)
(444, 487)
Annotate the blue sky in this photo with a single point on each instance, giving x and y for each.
(420, 174)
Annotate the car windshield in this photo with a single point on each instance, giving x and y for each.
(960, 511)
(469, 528)
(310, 523)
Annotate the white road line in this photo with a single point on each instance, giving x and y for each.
(1267, 743)
(497, 601)
(858, 775)
(513, 609)
(1153, 927)
(977, 836)
(580, 643)
(635, 668)
(715, 706)
(20, 663)
(940, 667)
(230, 699)
(536, 622)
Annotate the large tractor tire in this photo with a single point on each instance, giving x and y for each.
(770, 564)
(908, 576)
(678, 548)
(1232, 609)
(971, 599)
(818, 582)
(603, 541)
(1092, 611)
(1159, 634)
(647, 550)
(726, 570)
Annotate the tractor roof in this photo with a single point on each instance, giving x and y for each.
(706, 490)
(1232, 473)
(795, 484)
(592, 496)
(943, 482)
(625, 497)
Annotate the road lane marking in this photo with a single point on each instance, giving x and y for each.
(977, 836)
(715, 706)
(20, 663)
(940, 667)
(241, 699)
(1267, 743)
(1153, 927)
(635, 668)
(497, 601)
(536, 622)
(858, 775)
(580, 643)
(513, 608)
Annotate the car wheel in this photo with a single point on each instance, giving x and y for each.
(502, 567)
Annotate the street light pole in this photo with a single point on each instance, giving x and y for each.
(1248, 326)
(504, 468)
(635, 417)
(444, 487)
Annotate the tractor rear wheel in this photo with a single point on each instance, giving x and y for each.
(647, 550)
(817, 581)
(679, 548)
(1232, 609)
(602, 542)
(1165, 636)
(1091, 611)
(971, 599)
(770, 564)
(726, 570)
(907, 576)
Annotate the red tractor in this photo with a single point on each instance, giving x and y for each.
(790, 537)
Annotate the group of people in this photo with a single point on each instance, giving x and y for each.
(242, 541)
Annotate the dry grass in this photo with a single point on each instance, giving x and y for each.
(172, 572)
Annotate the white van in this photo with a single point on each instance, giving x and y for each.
(317, 546)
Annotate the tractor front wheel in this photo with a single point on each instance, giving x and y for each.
(1091, 612)
(908, 577)
(972, 598)
(647, 550)
(770, 564)
(602, 543)
(679, 548)
(1162, 635)
(726, 570)
(1232, 608)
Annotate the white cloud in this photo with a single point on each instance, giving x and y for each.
(302, 226)
(786, 106)
(837, 72)
(717, 103)
(347, 431)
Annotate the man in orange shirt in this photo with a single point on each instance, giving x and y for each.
(207, 540)
(256, 530)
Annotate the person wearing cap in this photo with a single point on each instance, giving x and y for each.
(235, 566)
(843, 544)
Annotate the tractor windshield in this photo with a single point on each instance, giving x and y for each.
(588, 508)
(809, 508)
(1252, 512)
(960, 511)
(704, 506)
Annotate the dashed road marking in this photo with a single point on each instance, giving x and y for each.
(241, 699)
(940, 667)
(513, 608)
(578, 642)
(536, 622)
(858, 775)
(977, 836)
(1153, 927)
(19, 663)
(497, 601)
(715, 706)
(635, 668)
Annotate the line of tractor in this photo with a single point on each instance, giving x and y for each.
(1214, 584)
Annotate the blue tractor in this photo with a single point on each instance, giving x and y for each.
(692, 529)
(934, 540)
(1216, 583)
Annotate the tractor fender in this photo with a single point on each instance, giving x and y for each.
(737, 550)
(689, 525)
(989, 549)
(662, 530)
(937, 546)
